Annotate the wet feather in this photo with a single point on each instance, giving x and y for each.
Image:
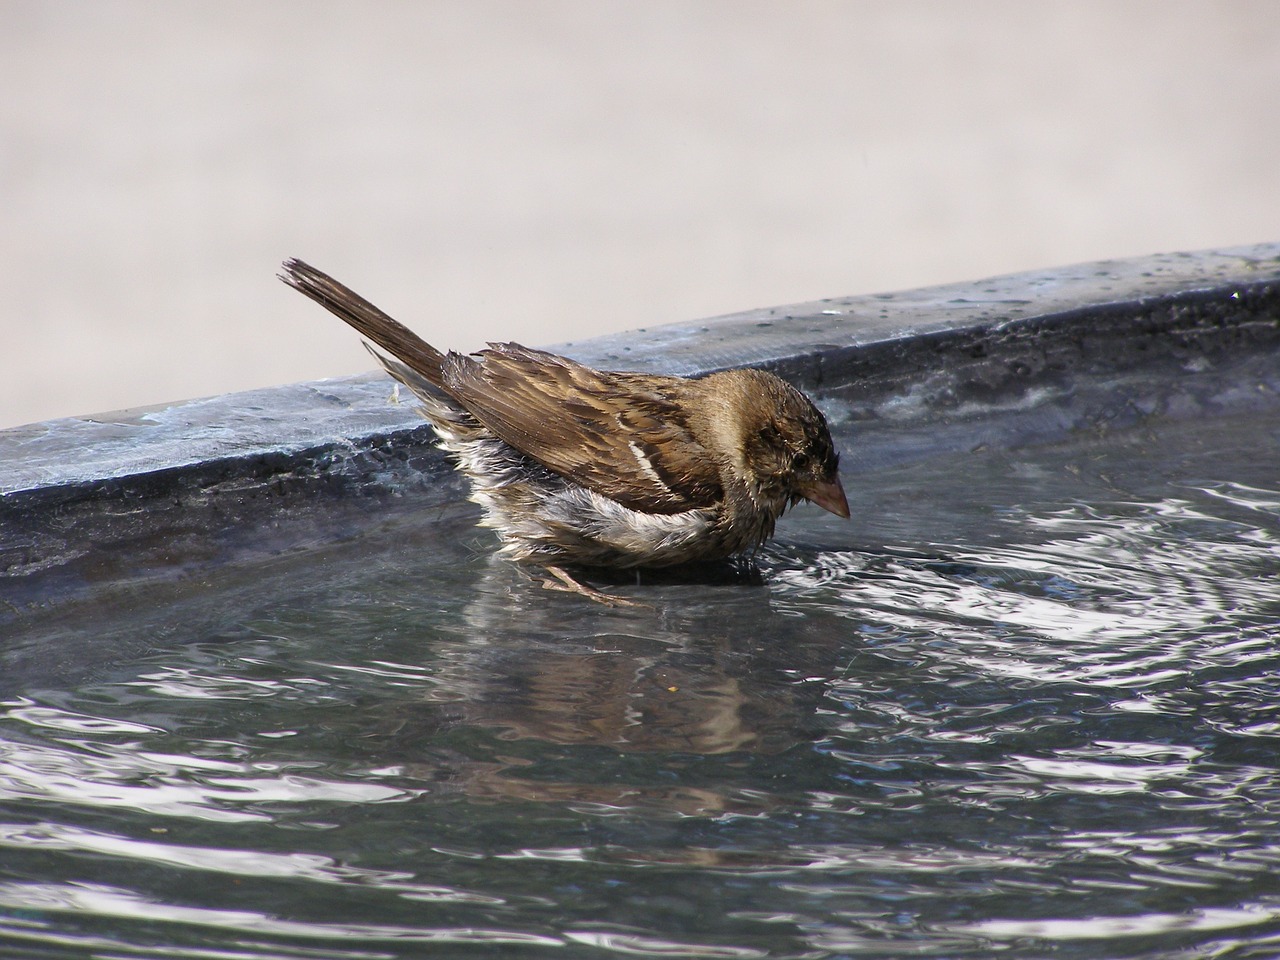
(579, 466)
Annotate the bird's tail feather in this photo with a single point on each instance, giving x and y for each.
(416, 357)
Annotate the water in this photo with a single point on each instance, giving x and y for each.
(1026, 706)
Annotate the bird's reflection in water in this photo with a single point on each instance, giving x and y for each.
(696, 675)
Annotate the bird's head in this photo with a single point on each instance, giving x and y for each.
(782, 443)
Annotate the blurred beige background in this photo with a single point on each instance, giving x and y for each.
(543, 171)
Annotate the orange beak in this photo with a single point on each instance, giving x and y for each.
(829, 495)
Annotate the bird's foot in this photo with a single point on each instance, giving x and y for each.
(566, 584)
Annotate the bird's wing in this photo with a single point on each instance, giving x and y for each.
(624, 436)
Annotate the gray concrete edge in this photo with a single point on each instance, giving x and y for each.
(352, 427)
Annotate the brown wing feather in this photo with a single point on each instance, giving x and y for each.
(616, 434)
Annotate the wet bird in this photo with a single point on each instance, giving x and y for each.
(577, 467)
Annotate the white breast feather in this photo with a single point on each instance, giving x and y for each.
(535, 511)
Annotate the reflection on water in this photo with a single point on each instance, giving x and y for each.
(1026, 706)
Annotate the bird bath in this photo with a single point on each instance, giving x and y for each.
(265, 693)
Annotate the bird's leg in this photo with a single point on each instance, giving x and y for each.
(569, 585)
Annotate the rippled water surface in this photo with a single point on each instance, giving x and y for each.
(1027, 705)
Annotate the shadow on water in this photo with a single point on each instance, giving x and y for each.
(1025, 706)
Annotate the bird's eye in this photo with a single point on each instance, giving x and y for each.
(801, 461)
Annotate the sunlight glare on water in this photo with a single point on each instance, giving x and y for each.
(1026, 704)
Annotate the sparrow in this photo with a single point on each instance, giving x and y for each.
(577, 467)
